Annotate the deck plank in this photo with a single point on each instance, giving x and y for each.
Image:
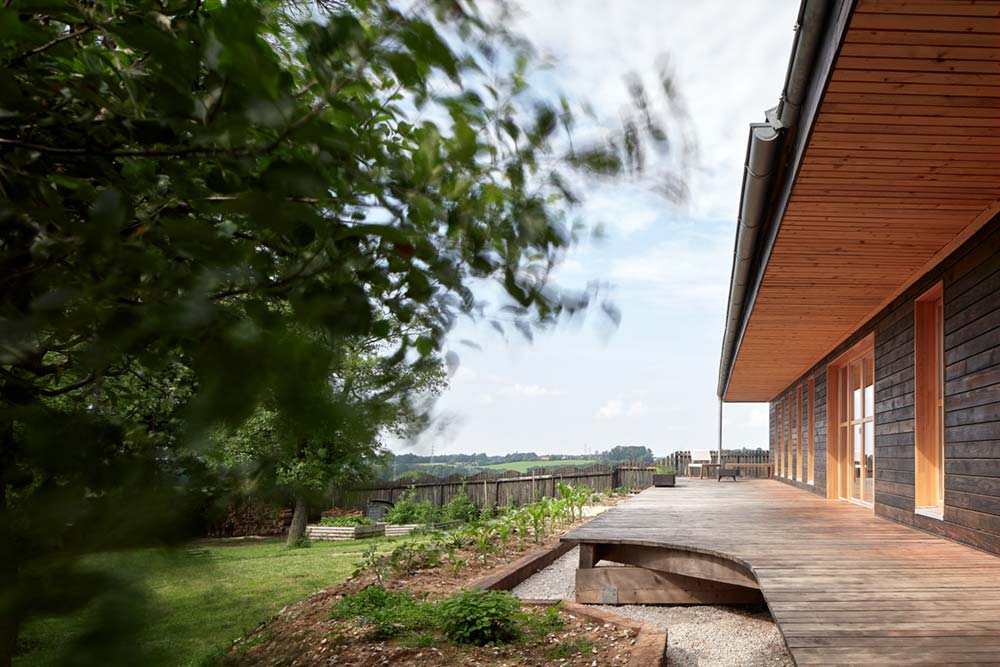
(844, 586)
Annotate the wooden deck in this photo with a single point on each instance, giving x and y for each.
(844, 586)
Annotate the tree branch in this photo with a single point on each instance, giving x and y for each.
(48, 45)
(67, 389)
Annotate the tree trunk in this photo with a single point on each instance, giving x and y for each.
(299, 518)
(9, 567)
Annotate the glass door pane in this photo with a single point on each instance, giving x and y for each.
(856, 403)
(869, 490)
(869, 387)
(856, 461)
(844, 459)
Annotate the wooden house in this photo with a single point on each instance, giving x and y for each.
(865, 295)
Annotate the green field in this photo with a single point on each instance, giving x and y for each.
(202, 598)
(525, 466)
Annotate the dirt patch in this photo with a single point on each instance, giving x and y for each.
(578, 644)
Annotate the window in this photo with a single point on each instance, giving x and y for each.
(928, 347)
(850, 389)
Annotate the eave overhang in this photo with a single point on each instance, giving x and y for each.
(893, 161)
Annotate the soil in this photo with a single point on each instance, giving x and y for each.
(304, 634)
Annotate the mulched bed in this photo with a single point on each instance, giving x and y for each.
(304, 634)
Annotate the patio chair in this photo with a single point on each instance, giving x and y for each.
(698, 459)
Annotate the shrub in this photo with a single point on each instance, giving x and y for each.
(460, 508)
(346, 521)
(408, 511)
(665, 469)
(480, 617)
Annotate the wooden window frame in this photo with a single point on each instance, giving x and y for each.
(787, 427)
(811, 425)
(798, 434)
(928, 408)
(835, 411)
(777, 439)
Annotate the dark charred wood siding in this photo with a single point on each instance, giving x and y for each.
(971, 278)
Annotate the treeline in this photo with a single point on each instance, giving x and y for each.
(482, 459)
(401, 465)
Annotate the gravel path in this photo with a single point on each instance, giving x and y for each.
(702, 635)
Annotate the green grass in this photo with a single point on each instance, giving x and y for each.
(525, 466)
(206, 596)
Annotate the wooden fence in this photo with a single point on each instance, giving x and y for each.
(680, 460)
(507, 488)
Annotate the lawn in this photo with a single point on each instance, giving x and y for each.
(205, 596)
(525, 466)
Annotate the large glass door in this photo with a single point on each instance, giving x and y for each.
(857, 429)
(856, 417)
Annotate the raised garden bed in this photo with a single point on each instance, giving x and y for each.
(395, 530)
(344, 532)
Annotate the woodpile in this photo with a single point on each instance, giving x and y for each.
(249, 517)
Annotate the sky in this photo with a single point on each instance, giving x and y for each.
(585, 386)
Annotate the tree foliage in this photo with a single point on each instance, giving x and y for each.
(622, 453)
(204, 206)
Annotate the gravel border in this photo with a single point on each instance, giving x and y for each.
(698, 635)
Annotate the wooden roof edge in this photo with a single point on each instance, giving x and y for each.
(822, 26)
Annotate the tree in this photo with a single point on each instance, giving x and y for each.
(622, 453)
(200, 201)
(370, 398)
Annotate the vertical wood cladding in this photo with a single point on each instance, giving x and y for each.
(819, 433)
(971, 278)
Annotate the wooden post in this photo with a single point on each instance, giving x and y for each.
(588, 555)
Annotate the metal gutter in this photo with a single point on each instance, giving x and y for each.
(763, 171)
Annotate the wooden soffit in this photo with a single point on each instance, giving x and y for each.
(902, 166)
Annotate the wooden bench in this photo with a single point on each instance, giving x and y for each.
(730, 465)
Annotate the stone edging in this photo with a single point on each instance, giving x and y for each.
(650, 648)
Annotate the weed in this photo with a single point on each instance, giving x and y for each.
(421, 640)
(372, 561)
(539, 622)
(455, 563)
(480, 617)
(567, 650)
(388, 613)
(412, 556)
(302, 543)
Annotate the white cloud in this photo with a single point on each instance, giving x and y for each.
(687, 269)
(617, 408)
(623, 209)
(637, 409)
(533, 391)
(610, 409)
(465, 374)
